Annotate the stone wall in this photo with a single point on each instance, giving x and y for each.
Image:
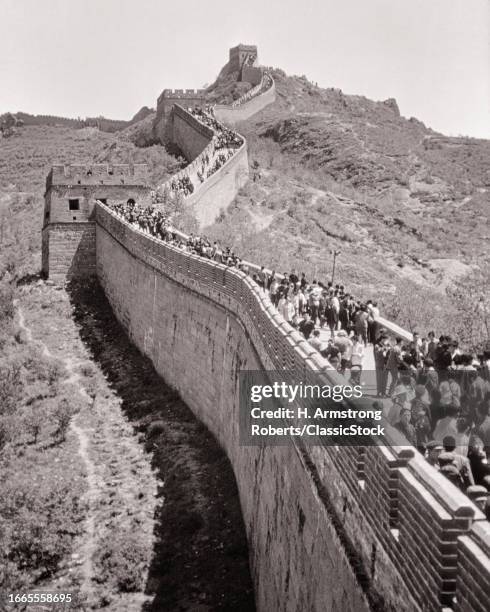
(68, 250)
(57, 208)
(71, 192)
(215, 194)
(169, 97)
(189, 134)
(329, 528)
(199, 346)
(240, 112)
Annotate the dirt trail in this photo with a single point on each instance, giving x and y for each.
(163, 529)
(93, 485)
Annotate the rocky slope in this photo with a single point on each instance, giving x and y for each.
(343, 172)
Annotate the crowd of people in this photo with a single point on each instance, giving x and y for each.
(224, 138)
(156, 223)
(439, 394)
(182, 185)
(264, 85)
(222, 147)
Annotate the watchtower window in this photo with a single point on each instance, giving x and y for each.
(74, 203)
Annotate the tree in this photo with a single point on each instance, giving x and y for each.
(33, 421)
(471, 298)
(63, 414)
(417, 308)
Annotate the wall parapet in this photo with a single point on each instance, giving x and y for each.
(252, 102)
(88, 174)
(193, 121)
(181, 94)
(266, 83)
(423, 523)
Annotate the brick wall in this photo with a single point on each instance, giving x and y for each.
(472, 583)
(68, 250)
(328, 527)
(96, 174)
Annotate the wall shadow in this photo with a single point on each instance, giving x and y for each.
(200, 558)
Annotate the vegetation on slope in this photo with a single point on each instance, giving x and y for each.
(407, 208)
(78, 505)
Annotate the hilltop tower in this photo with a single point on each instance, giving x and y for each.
(241, 55)
(68, 235)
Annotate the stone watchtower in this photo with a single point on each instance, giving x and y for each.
(68, 236)
(242, 54)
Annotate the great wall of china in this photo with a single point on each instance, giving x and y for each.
(329, 528)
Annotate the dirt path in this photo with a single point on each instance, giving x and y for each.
(93, 485)
(163, 529)
(120, 495)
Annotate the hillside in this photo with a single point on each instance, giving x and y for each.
(407, 207)
(25, 160)
(110, 487)
(102, 123)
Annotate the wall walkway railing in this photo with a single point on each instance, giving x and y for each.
(266, 83)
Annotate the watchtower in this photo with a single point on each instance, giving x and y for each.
(242, 54)
(68, 237)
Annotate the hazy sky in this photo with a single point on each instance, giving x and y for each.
(110, 57)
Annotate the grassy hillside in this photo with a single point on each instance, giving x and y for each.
(25, 160)
(408, 208)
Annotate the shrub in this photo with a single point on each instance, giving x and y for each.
(121, 559)
(33, 420)
(63, 414)
(10, 386)
(39, 516)
(155, 429)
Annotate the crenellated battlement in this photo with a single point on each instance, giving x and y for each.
(194, 95)
(90, 174)
(183, 93)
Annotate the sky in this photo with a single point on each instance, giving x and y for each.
(111, 57)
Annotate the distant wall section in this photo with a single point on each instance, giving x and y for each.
(215, 194)
(190, 135)
(183, 97)
(240, 112)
